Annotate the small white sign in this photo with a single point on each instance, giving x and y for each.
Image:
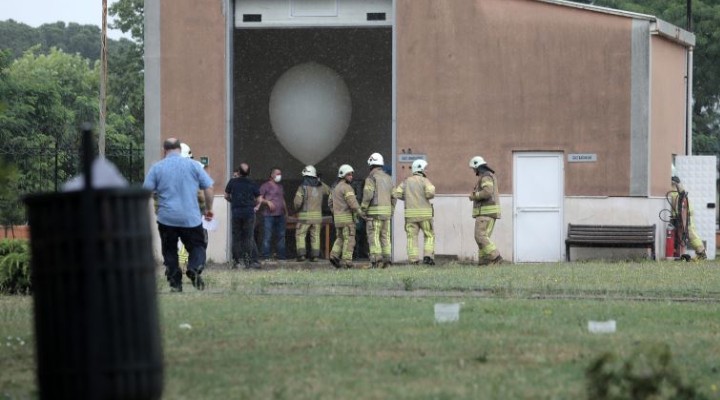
(608, 326)
(409, 158)
(582, 157)
(447, 312)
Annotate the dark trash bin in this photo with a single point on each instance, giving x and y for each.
(95, 295)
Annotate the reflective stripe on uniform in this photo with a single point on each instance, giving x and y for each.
(486, 210)
(379, 210)
(305, 215)
(418, 212)
(343, 218)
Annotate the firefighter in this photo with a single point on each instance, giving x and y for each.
(345, 209)
(308, 202)
(678, 191)
(183, 254)
(486, 210)
(416, 191)
(378, 205)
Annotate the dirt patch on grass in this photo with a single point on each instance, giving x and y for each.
(284, 290)
(407, 286)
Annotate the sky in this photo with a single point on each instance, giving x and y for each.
(38, 12)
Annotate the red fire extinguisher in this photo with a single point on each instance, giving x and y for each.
(670, 241)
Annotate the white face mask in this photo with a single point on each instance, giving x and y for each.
(278, 178)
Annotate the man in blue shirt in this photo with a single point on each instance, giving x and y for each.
(244, 197)
(176, 180)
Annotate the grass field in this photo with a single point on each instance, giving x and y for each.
(294, 333)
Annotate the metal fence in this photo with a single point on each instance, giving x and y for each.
(44, 169)
(54, 165)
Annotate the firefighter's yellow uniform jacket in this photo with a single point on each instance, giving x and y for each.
(308, 201)
(417, 191)
(344, 205)
(486, 209)
(378, 205)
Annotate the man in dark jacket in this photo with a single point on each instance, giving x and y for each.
(244, 197)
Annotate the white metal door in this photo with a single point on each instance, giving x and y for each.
(698, 174)
(538, 194)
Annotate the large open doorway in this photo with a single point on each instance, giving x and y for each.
(313, 84)
(358, 58)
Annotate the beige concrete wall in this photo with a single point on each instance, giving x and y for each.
(667, 110)
(193, 79)
(454, 227)
(490, 77)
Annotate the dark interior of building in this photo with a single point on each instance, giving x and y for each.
(361, 56)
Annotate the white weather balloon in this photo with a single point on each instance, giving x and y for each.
(310, 110)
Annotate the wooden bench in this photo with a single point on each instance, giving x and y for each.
(610, 236)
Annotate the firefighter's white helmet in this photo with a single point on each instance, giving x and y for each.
(344, 170)
(185, 151)
(376, 159)
(476, 162)
(419, 166)
(309, 170)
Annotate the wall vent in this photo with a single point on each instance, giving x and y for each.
(376, 16)
(252, 17)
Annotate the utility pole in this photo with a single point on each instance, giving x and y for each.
(103, 80)
(689, 84)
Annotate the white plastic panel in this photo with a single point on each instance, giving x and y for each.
(311, 13)
(313, 8)
(699, 174)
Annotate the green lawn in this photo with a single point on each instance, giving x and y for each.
(326, 334)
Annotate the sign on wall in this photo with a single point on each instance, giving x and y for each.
(409, 158)
(582, 157)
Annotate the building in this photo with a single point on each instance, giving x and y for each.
(579, 109)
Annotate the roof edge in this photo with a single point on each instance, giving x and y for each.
(673, 32)
(657, 26)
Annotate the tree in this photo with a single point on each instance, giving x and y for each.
(81, 39)
(17, 37)
(126, 91)
(71, 38)
(47, 97)
(11, 211)
(49, 81)
(130, 17)
(125, 112)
